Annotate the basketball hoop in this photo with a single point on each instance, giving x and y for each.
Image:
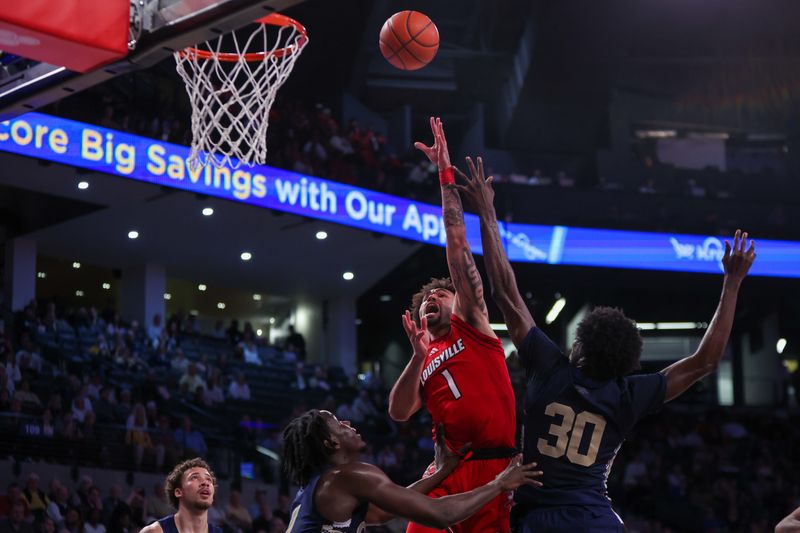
(232, 92)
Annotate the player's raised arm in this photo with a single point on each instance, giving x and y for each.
(469, 302)
(681, 375)
(502, 281)
(369, 483)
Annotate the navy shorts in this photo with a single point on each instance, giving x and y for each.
(573, 519)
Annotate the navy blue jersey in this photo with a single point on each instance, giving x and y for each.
(306, 519)
(574, 425)
(168, 525)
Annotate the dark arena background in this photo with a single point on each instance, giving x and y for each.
(151, 314)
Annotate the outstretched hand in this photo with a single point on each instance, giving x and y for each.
(517, 474)
(437, 152)
(417, 335)
(478, 190)
(737, 261)
(445, 458)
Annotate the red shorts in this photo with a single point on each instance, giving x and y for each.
(492, 517)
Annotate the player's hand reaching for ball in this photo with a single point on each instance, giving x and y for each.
(738, 260)
(437, 153)
(517, 474)
(417, 336)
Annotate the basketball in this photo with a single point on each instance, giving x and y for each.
(409, 40)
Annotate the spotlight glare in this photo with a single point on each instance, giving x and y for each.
(167, 296)
(202, 287)
(133, 234)
(781, 345)
(76, 264)
(348, 276)
(220, 305)
(208, 211)
(246, 256)
(257, 297)
(322, 235)
(106, 286)
(558, 305)
(83, 185)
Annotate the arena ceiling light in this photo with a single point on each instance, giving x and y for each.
(76, 264)
(202, 287)
(106, 286)
(672, 325)
(272, 320)
(558, 305)
(498, 326)
(83, 185)
(386, 298)
(41, 275)
(348, 276)
(322, 235)
(208, 211)
(259, 332)
(220, 305)
(167, 296)
(246, 256)
(133, 234)
(780, 346)
(79, 293)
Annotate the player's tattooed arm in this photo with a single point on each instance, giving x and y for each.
(469, 304)
(502, 282)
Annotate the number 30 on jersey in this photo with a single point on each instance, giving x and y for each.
(569, 434)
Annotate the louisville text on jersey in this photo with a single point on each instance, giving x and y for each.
(452, 350)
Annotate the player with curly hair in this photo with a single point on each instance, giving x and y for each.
(579, 410)
(190, 488)
(458, 368)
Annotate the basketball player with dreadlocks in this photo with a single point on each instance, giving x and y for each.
(190, 488)
(579, 410)
(458, 369)
(340, 494)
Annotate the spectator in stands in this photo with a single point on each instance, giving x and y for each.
(47, 525)
(319, 380)
(161, 359)
(137, 436)
(191, 380)
(112, 503)
(57, 508)
(157, 504)
(48, 428)
(80, 406)
(69, 428)
(179, 362)
(34, 496)
(239, 389)
(28, 398)
(299, 381)
(296, 343)
(214, 394)
(190, 441)
(236, 513)
(124, 406)
(249, 349)
(219, 330)
(263, 514)
(28, 357)
(93, 501)
(363, 408)
(104, 406)
(15, 523)
(72, 521)
(93, 523)
(233, 333)
(13, 373)
(154, 331)
(80, 498)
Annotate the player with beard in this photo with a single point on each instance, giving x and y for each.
(458, 367)
(339, 493)
(190, 488)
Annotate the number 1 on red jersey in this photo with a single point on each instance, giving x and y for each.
(451, 383)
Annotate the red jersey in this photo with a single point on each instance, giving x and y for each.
(465, 386)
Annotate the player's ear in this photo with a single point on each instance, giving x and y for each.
(178, 492)
(332, 444)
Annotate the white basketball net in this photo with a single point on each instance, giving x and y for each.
(231, 99)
